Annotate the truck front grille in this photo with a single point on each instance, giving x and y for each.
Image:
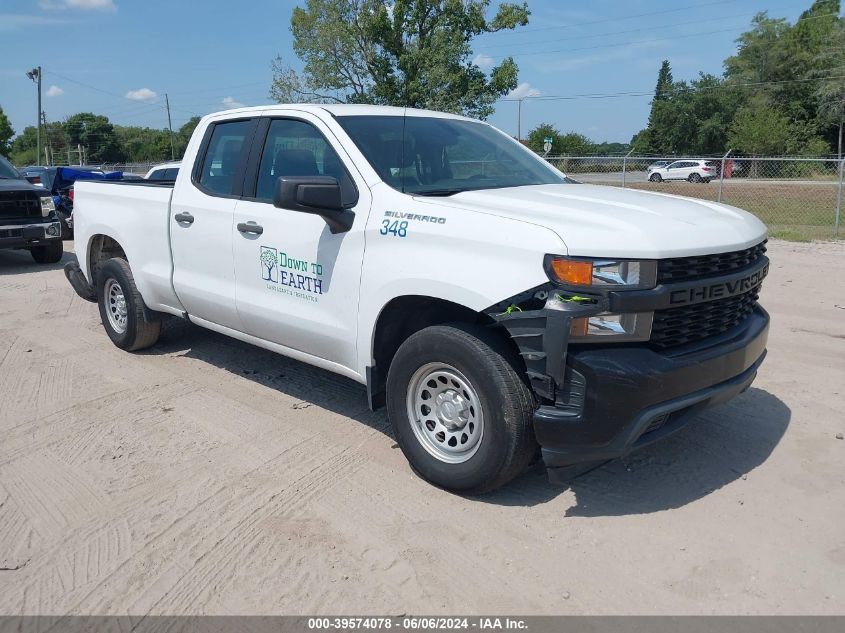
(687, 324)
(674, 327)
(19, 204)
(704, 266)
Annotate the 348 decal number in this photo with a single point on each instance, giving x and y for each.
(395, 228)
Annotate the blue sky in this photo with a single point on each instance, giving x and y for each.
(119, 57)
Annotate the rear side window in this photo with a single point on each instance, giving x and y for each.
(223, 156)
(158, 174)
(170, 174)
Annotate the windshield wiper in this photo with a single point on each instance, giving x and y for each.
(437, 192)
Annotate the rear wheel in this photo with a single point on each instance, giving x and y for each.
(694, 178)
(459, 408)
(655, 178)
(50, 253)
(122, 309)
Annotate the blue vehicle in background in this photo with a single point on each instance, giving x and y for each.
(59, 182)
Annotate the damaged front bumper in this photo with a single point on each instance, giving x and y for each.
(600, 401)
(630, 397)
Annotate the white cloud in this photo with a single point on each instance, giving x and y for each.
(83, 5)
(230, 102)
(523, 90)
(142, 94)
(484, 62)
(54, 91)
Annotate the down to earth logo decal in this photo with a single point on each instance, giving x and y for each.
(269, 268)
(287, 275)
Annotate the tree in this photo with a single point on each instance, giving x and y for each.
(97, 135)
(661, 118)
(184, 134)
(6, 133)
(539, 134)
(830, 92)
(759, 130)
(413, 53)
(569, 144)
(23, 150)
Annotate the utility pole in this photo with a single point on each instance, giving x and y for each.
(35, 75)
(170, 126)
(48, 148)
(519, 120)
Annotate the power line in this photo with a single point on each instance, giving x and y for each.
(721, 18)
(691, 7)
(612, 95)
(649, 41)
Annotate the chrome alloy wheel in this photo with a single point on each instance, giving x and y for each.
(115, 306)
(445, 413)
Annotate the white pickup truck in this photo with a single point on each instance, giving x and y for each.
(494, 305)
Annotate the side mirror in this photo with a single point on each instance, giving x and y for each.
(319, 195)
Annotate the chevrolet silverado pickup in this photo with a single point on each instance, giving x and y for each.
(494, 305)
(28, 219)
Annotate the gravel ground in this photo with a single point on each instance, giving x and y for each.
(208, 476)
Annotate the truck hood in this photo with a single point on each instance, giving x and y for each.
(19, 184)
(603, 221)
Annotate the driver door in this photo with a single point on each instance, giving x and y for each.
(297, 283)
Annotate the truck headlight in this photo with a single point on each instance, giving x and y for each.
(604, 274)
(47, 206)
(616, 327)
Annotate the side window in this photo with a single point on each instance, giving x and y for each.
(296, 148)
(223, 156)
(170, 174)
(157, 175)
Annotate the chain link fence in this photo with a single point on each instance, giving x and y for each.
(799, 199)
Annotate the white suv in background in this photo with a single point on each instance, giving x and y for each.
(685, 169)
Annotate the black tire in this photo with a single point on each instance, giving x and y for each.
(138, 332)
(50, 253)
(694, 178)
(656, 178)
(506, 443)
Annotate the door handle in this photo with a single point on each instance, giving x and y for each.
(184, 218)
(250, 227)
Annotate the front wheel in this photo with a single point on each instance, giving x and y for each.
(122, 309)
(655, 178)
(50, 253)
(461, 412)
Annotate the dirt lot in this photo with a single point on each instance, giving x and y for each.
(207, 476)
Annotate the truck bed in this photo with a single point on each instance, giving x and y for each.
(143, 230)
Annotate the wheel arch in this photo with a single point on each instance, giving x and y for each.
(101, 248)
(403, 316)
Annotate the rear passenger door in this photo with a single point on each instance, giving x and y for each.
(297, 282)
(202, 210)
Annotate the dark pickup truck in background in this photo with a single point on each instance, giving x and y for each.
(28, 217)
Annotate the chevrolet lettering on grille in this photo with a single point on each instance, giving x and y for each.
(720, 290)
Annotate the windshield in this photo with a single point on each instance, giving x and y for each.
(6, 169)
(434, 156)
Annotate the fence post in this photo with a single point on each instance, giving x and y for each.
(624, 166)
(838, 199)
(722, 175)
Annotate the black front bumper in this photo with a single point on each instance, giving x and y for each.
(29, 235)
(634, 395)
